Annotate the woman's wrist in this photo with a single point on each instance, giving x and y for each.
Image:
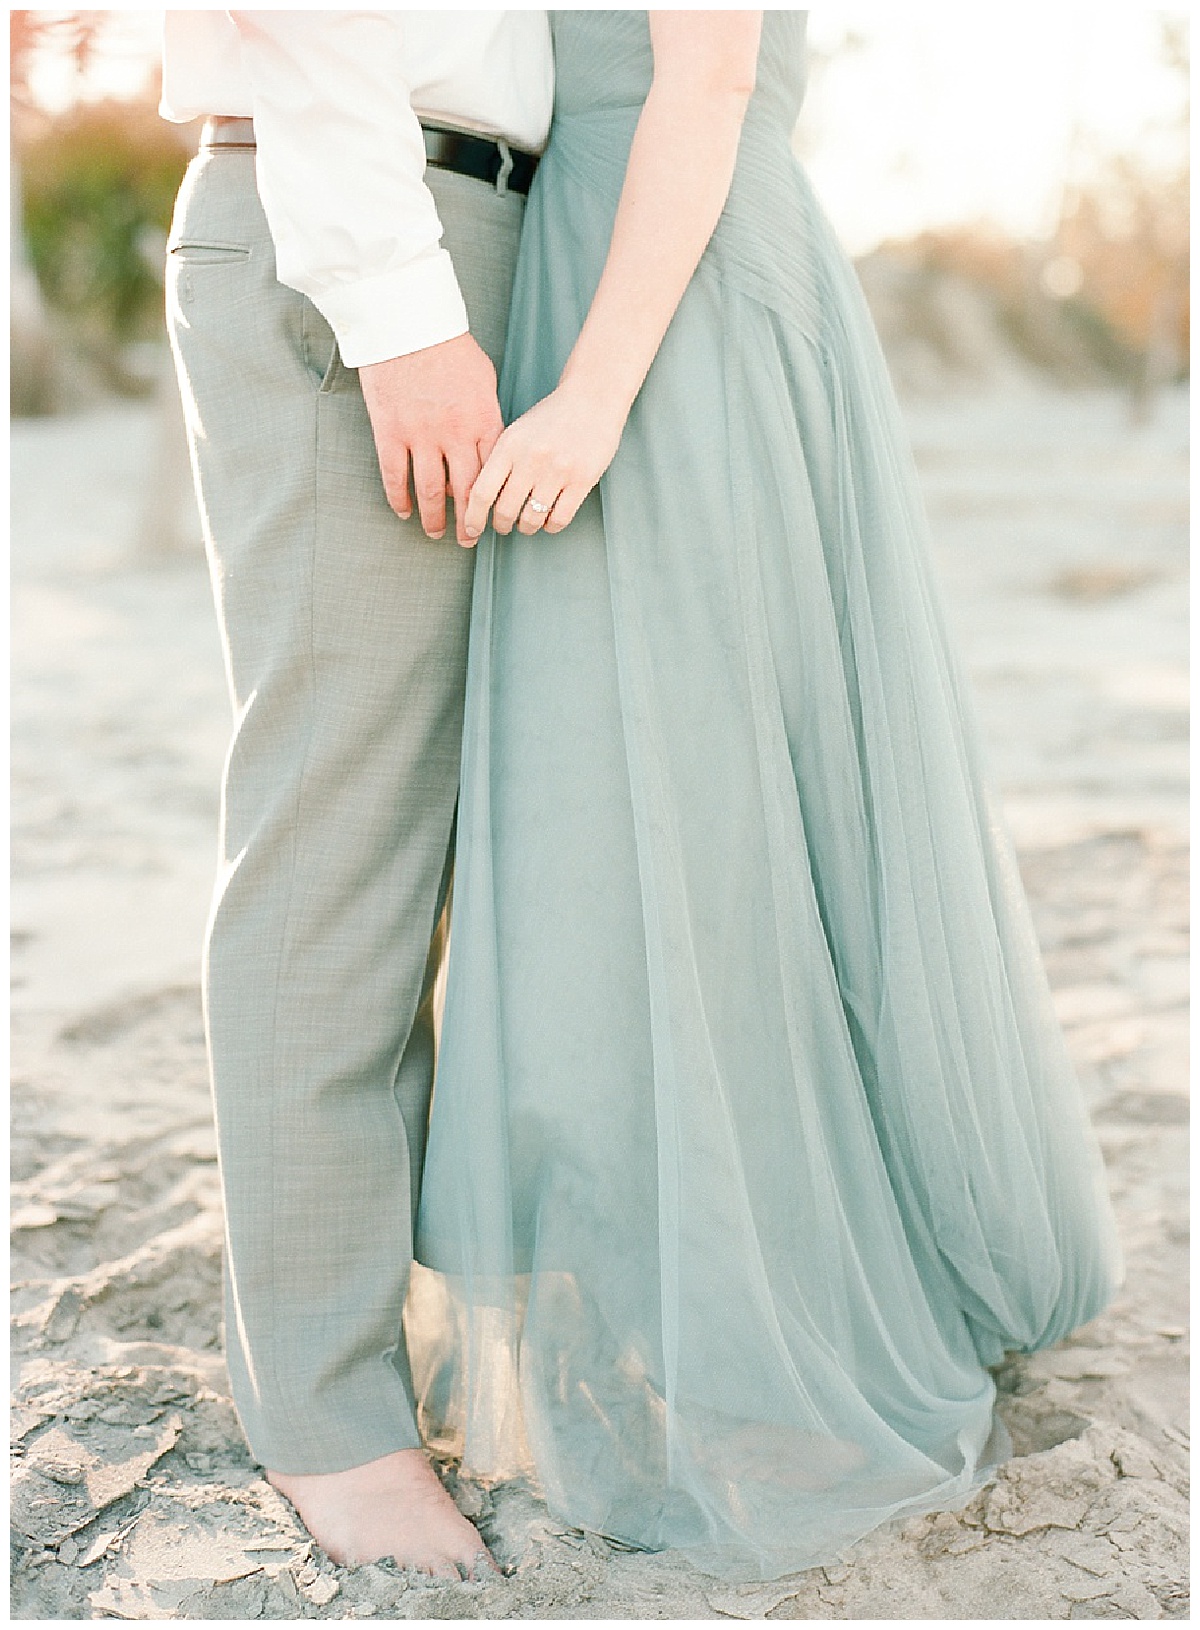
(600, 388)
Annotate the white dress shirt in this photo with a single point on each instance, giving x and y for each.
(336, 98)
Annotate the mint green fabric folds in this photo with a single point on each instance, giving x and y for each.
(754, 1141)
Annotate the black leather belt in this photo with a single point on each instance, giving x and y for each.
(495, 162)
(483, 157)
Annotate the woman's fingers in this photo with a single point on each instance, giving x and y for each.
(523, 488)
(537, 509)
(566, 507)
(511, 500)
(485, 492)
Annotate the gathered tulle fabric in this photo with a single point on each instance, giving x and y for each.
(754, 1140)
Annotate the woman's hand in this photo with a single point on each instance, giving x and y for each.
(546, 463)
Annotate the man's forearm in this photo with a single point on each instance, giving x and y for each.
(341, 162)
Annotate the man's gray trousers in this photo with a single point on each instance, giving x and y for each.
(345, 635)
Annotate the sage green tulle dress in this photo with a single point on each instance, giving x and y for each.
(754, 1140)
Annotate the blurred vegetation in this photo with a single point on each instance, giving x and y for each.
(1126, 227)
(99, 185)
(1105, 296)
(96, 186)
(70, 33)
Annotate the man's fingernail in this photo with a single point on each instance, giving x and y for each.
(436, 535)
(472, 531)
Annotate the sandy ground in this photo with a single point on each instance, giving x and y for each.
(1061, 536)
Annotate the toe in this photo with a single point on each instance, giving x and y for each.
(432, 1564)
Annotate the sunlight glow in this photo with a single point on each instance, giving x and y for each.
(936, 113)
(951, 113)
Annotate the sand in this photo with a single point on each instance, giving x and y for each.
(1061, 535)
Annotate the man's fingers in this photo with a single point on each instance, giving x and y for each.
(463, 468)
(484, 493)
(395, 481)
(427, 404)
(429, 478)
(490, 437)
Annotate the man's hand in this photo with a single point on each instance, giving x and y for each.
(439, 408)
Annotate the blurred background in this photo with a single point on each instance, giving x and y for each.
(1015, 190)
(1013, 183)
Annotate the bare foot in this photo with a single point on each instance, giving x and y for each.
(395, 1507)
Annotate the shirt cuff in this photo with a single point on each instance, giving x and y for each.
(397, 313)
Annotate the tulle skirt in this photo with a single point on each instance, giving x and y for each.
(754, 1141)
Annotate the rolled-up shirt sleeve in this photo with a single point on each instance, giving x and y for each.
(341, 164)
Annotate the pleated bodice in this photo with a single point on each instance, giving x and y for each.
(767, 240)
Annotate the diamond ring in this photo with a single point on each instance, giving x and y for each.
(536, 507)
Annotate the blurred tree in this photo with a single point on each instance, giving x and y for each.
(1105, 297)
(92, 193)
(971, 304)
(1124, 234)
(31, 350)
(34, 349)
(97, 185)
(71, 34)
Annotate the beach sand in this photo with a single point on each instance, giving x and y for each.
(1061, 536)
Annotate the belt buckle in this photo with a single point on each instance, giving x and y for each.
(506, 166)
